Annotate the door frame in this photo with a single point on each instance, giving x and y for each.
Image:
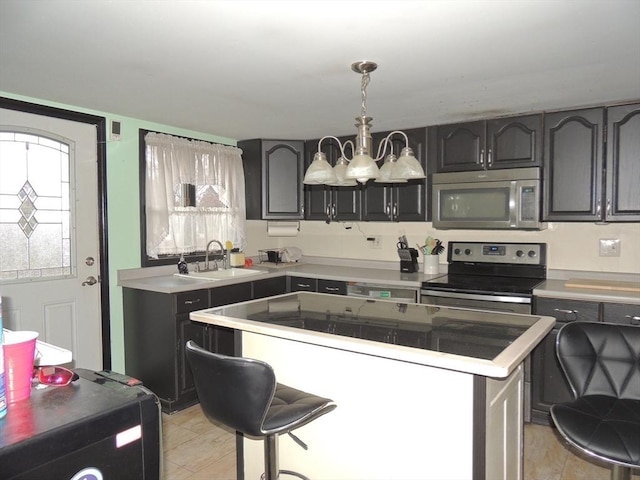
(101, 151)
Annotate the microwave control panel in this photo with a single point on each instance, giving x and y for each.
(518, 253)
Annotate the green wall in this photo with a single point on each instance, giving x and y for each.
(122, 203)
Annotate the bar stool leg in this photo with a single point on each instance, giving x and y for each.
(271, 457)
(620, 473)
(271, 470)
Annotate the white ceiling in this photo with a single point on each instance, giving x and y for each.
(281, 69)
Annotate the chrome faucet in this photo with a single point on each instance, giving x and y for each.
(206, 255)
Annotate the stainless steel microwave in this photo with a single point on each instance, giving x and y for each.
(488, 199)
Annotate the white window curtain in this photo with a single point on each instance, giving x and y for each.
(214, 172)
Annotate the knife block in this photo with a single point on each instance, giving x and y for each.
(408, 260)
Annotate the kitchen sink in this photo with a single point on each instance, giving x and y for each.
(221, 274)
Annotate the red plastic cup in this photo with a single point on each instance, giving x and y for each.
(19, 352)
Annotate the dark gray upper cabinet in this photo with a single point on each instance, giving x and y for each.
(581, 183)
(273, 171)
(330, 203)
(400, 202)
(573, 165)
(623, 164)
(501, 143)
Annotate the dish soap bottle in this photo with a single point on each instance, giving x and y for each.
(182, 266)
(228, 246)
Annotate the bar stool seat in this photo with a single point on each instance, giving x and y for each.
(601, 362)
(243, 394)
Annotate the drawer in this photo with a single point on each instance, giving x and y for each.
(303, 284)
(620, 313)
(335, 287)
(567, 310)
(192, 301)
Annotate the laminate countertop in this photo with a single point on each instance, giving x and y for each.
(556, 288)
(163, 279)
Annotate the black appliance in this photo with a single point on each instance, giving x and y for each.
(102, 426)
(489, 276)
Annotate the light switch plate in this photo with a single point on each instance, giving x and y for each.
(609, 247)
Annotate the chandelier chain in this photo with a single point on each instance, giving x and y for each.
(363, 90)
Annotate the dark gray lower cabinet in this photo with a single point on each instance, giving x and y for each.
(157, 328)
(548, 385)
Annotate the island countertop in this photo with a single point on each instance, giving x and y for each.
(490, 344)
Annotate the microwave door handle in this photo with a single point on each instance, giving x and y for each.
(514, 209)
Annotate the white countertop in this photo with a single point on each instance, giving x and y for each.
(163, 280)
(554, 287)
(500, 367)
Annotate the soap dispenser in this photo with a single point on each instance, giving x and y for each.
(182, 266)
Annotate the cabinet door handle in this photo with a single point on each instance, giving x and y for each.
(608, 208)
(395, 210)
(328, 211)
(387, 209)
(303, 285)
(634, 319)
(598, 208)
(481, 159)
(568, 314)
(331, 289)
(333, 211)
(192, 302)
(490, 158)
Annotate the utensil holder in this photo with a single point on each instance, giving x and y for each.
(431, 264)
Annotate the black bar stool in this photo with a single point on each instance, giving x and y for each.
(601, 362)
(242, 393)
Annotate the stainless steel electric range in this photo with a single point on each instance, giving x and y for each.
(489, 276)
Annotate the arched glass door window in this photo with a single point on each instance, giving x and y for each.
(35, 206)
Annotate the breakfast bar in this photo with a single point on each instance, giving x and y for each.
(423, 392)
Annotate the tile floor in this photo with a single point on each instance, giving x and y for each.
(195, 449)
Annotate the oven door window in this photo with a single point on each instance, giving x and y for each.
(483, 204)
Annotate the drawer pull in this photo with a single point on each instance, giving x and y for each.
(332, 289)
(303, 285)
(635, 319)
(568, 314)
(191, 302)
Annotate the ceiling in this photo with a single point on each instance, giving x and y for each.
(281, 69)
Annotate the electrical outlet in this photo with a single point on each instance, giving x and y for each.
(609, 247)
(375, 241)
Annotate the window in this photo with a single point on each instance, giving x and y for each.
(35, 206)
(191, 192)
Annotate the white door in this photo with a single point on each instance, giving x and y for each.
(49, 255)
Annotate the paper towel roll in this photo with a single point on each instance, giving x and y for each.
(283, 229)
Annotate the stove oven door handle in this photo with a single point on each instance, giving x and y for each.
(473, 296)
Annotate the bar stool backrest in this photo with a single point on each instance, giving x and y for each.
(234, 391)
(600, 358)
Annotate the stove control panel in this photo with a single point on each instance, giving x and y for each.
(512, 253)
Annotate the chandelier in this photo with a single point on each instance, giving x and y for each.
(362, 167)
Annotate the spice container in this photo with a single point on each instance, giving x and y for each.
(237, 258)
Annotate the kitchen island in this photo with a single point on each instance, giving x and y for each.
(423, 392)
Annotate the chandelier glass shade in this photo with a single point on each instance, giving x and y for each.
(362, 167)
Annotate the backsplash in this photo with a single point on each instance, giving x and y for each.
(571, 246)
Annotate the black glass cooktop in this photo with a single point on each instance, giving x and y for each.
(483, 284)
(472, 333)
